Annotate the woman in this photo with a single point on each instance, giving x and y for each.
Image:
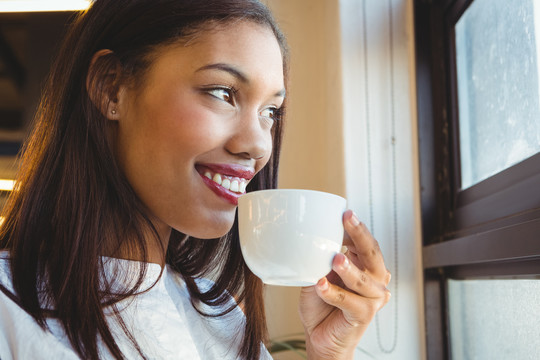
(122, 209)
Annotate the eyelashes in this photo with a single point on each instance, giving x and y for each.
(228, 94)
(223, 93)
(273, 113)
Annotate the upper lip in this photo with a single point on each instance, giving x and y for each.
(232, 170)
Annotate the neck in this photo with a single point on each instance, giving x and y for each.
(156, 249)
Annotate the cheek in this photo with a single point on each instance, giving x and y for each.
(184, 124)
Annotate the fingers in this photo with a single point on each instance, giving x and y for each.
(357, 309)
(357, 280)
(364, 250)
(359, 277)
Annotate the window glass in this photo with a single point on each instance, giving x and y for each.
(498, 88)
(494, 319)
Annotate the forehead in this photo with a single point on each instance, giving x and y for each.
(248, 46)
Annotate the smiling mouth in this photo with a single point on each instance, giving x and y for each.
(226, 181)
(233, 184)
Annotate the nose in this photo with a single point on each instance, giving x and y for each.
(251, 136)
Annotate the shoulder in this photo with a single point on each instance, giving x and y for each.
(20, 336)
(216, 336)
(204, 285)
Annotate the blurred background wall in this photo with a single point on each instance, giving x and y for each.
(351, 130)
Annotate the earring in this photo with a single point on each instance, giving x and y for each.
(113, 111)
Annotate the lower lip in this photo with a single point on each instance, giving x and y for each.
(220, 191)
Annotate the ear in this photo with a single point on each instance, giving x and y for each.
(103, 83)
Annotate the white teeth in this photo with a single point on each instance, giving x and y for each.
(237, 185)
(226, 184)
(234, 186)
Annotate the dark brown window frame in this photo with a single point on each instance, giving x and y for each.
(490, 230)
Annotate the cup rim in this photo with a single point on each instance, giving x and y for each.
(254, 193)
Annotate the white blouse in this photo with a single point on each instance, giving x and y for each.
(162, 321)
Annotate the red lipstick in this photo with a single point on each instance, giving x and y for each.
(233, 172)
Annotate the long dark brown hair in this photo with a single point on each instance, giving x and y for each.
(72, 200)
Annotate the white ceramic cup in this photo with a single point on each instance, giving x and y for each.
(289, 237)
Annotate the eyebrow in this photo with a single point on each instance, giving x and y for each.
(234, 72)
(227, 68)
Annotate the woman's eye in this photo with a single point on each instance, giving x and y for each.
(270, 113)
(223, 94)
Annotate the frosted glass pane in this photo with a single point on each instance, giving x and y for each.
(498, 95)
(494, 319)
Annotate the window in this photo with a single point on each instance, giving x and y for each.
(479, 124)
(498, 89)
(494, 319)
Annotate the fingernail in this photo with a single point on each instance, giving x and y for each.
(354, 220)
(345, 263)
(323, 284)
(342, 264)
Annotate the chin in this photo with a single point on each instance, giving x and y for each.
(217, 229)
(210, 234)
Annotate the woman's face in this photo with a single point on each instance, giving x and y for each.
(198, 128)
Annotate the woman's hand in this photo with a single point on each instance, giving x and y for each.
(337, 311)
